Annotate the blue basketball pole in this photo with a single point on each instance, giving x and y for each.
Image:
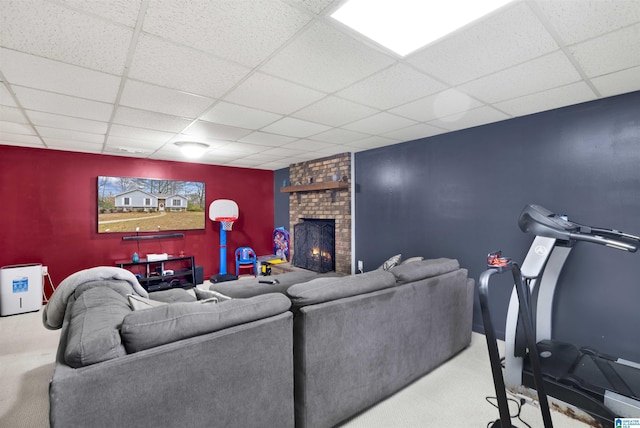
(223, 250)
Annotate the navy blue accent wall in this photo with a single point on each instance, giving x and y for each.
(459, 195)
(281, 200)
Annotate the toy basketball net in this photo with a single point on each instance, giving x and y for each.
(226, 222)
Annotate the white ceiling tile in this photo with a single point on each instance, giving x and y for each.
(326, 59)
(307, 145)
(147, 146)
(66, 122)
(574, 93)
(339, 136)
(124, 12)
(27, 70)
(127, 151)
(475, 117)
(334, 111)
(271, 94)
(216, 131)
(67, 134)
(333, 149)
(34, 99)
(485, 48)
(163, 100)
(140, 133)
(72, 37)
(316, 6)
(16, 128)
(12, 114)
(438, 105)
(237, 149)
(398, 84)
(371, 143)
(534, 76)
(613, 52)
(295, 127)
(380, 123)
(5, 97)
(275, 165)
(279, 151)
(576, 21)
(267, 139)
(150, 119)
(71, 145)
(20, 140)
(179, 67)
(414, 132)
(618, 83)
(262, 157)
(243, 31)
(240, 116)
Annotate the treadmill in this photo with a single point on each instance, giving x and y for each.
(602, 386)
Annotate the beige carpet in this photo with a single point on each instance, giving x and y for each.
(451, 396)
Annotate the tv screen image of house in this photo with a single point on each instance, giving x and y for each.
(127, 204)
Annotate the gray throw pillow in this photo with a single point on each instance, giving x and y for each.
(424, 269)
(169, 323)
(391, 262)
(93, 330)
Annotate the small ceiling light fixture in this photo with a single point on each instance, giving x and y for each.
(192, 149)
(407, 25)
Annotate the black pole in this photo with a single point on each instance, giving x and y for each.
(525, 318)
(494, 355)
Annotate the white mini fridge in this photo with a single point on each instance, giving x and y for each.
(20, 289)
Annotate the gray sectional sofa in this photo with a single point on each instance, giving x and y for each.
(310, 350)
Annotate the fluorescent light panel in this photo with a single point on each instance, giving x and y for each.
(406, 25)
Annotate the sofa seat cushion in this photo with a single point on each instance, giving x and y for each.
(424, 269)
(169, 323)
(326, 289)
(93, 330)
(173, 295)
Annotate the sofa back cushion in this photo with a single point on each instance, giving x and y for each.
(326, 289)
(270, 284)
(93, 331)
(169, 323)
(423, 269)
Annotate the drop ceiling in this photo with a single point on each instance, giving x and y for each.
(269, 83)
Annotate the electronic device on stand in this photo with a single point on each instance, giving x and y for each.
(226, 212)
(602, 386)
(498, 264)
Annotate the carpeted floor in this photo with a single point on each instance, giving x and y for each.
(453, 395)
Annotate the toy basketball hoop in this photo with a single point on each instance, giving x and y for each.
(224, 211)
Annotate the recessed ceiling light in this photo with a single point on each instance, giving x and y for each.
(406, 25)
(192, 149)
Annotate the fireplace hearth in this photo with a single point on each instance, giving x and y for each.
(314, 245)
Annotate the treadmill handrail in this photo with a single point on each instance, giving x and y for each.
(596, 239)
(540, 221)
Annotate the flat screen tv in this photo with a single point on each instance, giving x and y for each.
(127, 204)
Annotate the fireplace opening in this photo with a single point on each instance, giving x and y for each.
(314, 245)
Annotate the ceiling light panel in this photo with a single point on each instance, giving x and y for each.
(404, 26)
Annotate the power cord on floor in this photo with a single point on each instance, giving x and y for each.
(517, 415)
(518, 404)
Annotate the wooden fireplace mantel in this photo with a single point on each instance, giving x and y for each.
(315, 187)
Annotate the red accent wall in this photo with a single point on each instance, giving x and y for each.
(48, 212)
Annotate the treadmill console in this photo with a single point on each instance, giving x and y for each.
(540, 221)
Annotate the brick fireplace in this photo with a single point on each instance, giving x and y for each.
(321, 189)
